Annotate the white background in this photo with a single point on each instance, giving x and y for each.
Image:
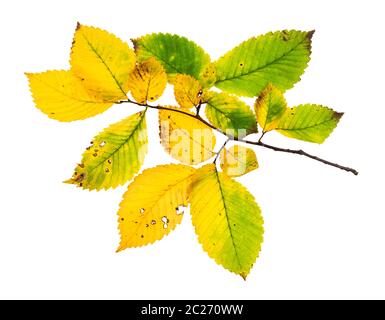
(325, 228)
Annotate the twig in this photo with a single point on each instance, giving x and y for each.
(257, 143)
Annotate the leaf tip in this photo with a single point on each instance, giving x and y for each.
(310, 34)
(135, 43)
(68, 181)
(119, 249)
(337, 115)
(243, 275)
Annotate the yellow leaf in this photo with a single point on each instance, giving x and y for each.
(148, 81)
(187, 91)
(270, 107)
(227, 220)
(150, 208)
(114, 156)
(103, 62)
(61, 96)
(185, 138)
(208, 75)
(238, 160)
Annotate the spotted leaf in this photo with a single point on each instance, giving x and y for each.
(153, 204)
(114, 156)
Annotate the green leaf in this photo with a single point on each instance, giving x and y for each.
(309, 122)
(177, 54)
(228, 112)
(279, 58)
(227, 220)
(114, 156)
(270, 107)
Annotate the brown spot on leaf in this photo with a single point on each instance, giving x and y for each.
(337, 115)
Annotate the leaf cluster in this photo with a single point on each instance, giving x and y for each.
(106, 70)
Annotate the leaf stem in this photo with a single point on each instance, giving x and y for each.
(260, 138)
(198, 108)
(256, 143)
(220, 150)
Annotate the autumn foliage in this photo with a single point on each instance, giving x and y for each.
(106, 71)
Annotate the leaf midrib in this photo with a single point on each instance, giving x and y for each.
(161, 59)
(170, 189)
(304, 128)
(69, 96)
(226, 114)
(189, 136)
(265, 66)
(227, 218)
(121, 145)
(104, 63)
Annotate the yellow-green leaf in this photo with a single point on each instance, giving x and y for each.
(309, 122)
(185, 138)
(103, 62)
(114, 156)
(238, 160)
(227, 220)
(187, 91)
(208, 75)
(151, 207)
(269, 108)
(278, 57)
(61, 96)
(229, 113)
(148, 81)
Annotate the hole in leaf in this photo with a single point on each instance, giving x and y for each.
(153, 222)
(179, 210)
(165, 219)
(142, 210)
(102, 144)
